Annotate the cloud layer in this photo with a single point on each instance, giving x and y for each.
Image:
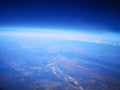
(101, 38)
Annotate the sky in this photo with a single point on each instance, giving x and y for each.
(85, 15)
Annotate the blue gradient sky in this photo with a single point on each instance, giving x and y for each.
(86, 15)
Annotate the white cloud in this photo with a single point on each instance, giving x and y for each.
(101, 38)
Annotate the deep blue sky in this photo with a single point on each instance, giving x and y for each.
(103, 15)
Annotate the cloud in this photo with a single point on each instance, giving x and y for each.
(101, 38)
